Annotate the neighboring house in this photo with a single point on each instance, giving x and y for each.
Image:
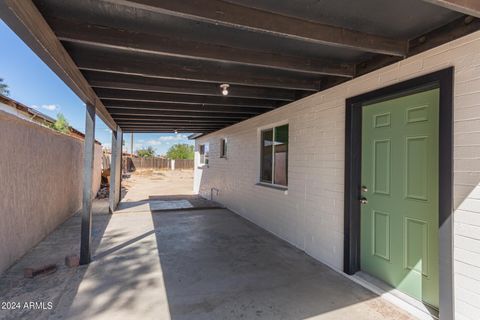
(22, 111)
(31, 114)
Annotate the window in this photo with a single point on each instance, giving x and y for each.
(204, 154)
(274, 156)
(223, 148)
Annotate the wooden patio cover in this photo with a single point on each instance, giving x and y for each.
(157, 65)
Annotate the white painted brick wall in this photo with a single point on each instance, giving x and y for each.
(310, 215)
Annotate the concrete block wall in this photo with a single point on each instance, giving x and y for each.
(310, 214)
(40, 183)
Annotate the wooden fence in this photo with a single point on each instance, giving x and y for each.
(183, 164)
(132, 164)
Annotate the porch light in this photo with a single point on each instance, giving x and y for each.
(224, 88)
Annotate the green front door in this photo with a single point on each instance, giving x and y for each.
(399, 219)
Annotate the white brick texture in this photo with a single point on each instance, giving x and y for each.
(310, 214)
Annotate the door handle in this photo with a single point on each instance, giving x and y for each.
(363, 200)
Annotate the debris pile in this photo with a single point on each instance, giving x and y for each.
(104, 185)
(103, 191)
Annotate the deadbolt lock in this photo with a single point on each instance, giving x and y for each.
(364, 189)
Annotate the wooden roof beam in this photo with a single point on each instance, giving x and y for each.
(131, 125)
(133, 106)
(175, 121)
(160, 118)
(469, 7)
(170, 130)
(172, 98)
(244, 18)
(149, 84)
(177, 114)
(174, 127)
(154, 44)
(130, 64)
(28, 23)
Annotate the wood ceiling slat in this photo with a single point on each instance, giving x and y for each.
(470, 7)
(131, 64)
(149, 84)
(172, 98)
(239, 17)
(159, 107)
(162, 46)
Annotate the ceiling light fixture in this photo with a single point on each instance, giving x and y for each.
(224, 88)
(176, 131)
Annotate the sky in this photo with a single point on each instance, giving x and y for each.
(32, 83)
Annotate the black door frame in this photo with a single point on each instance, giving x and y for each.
(443, 80)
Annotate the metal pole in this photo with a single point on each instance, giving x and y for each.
(115, 169)
(88, 159)
(120, 164)
(131, 144)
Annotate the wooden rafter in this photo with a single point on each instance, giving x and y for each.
(159, 107)
(163, 46)
(131, 64)
(240, 17)
(470, 7)
(179, 114)
(174, 98)
(24, 18)
(150, 84)
(180, 118)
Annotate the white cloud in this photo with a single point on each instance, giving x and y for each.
(154, 142)
(49, 107)
(173, 138)
(167, 139)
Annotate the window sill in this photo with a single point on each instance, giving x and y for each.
(272, 186)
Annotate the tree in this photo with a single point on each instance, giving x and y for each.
(180, 151)
(61, 124)
(147, 152)
(4, 88)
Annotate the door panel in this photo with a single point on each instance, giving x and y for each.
(399, 224)
(381, 166)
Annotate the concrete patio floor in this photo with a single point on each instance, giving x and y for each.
(192, 264)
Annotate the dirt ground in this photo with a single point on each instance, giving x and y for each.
(142, 184)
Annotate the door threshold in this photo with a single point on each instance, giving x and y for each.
(394, 296)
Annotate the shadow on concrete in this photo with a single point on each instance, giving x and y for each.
(167, 203)
(59, 288)
(193, 264)
(217, 265)
(104, 253)
(125, 280)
